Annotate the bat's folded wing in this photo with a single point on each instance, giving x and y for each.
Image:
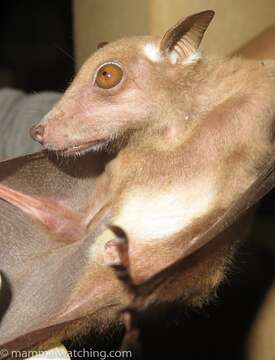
(41, 269)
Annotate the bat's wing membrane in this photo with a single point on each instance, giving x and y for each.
(39, 272)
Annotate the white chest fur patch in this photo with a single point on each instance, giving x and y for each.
(147, 216)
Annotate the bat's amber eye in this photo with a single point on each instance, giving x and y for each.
(108, 76)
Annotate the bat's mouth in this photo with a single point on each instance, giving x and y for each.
(81, 149)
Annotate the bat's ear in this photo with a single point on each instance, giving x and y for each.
(183, 39)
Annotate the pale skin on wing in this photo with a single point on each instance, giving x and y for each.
(189, 135)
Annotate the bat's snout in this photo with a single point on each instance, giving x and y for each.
(37, 133)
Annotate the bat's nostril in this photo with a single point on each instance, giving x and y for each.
(37, 133)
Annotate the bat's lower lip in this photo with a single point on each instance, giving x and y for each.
(82, 148)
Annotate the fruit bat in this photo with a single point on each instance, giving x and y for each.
(187, 147)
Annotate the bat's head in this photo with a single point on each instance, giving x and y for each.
(125, 86)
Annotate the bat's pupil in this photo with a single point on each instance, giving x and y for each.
(106, 74)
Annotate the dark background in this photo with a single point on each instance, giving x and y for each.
(36, 44)
(37, 54)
